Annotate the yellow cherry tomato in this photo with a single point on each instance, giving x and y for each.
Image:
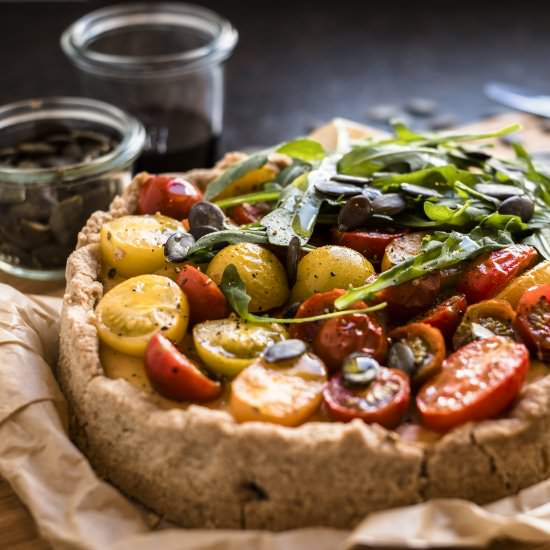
(260, 270)
(248, 183)
(129, 314)
(538, 275)
(284, 393)
(227, 346)
(134, 245)
(128, 367)
(330, 267)
(402, 248)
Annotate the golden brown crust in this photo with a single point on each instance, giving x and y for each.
(199, 468)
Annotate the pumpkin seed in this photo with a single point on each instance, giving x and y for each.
(518, 206)
(335, 188)
(66, 219)
(498, 190)
(35, 232)
(205, 214)
(355, 180)
(284, 351)
(292, 256)
(355, 213)
(177, 246)
(359, 369)
(389, 204)
(401, 357)
(417, 191)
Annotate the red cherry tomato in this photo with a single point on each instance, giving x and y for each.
(206, 300)
(413, 296)
(476, 382)
(357, 332)
(371, 244)
(245, 213)
(446, 315)
(533, 320)
(168, 195)
(383, 401)
(316, 304)
(175, 376)
(489, 274)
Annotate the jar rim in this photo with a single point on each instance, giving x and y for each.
(76, 39)
(66, 108)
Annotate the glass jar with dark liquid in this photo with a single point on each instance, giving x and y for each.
(164, 63)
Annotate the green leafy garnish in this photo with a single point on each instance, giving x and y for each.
(233, 173)
(441, 250)
(250, 198)
(303, 149)
(238, 299)
(540, 239)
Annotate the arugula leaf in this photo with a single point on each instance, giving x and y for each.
(446, 215)
(367, 160)
(449, 138)
(430, 177)
(250, 198)
(233, 173)
(235, 293)
(540, 239)
(508, 222)
(290, 173)
(440, 250)
(403, 133)
(227, 236)
(304, 149)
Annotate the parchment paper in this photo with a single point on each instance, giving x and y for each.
(75, 510)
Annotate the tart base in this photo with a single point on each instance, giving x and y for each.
(199, 468)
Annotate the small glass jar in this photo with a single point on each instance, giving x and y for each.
(164, 63)
(61, 159)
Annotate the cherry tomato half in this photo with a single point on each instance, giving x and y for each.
(169, 195)
(476, 382)
(383, 401)
(533, 320)
(371, 244)
(357, 332)
(245, 213)
(206, 301)
(489, 274)
(175, 376)
(410, 298)
(316, 304)
(418, 349)
(446, 315)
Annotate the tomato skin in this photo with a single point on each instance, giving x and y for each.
(357, 332)
(486, 375)
(489, 274)
(339, 399)
(174, 376)
(410, 298)
(316, 304)
(246, 213)
(533, 320)
(372, 244)
(206, 301)
(446, 315)
(169, 195)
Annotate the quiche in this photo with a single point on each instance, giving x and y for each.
(300, 337)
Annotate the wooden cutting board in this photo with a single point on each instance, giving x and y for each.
(17, 529)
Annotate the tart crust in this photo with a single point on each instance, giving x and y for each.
(199, 468)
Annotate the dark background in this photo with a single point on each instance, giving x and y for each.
(300, 63)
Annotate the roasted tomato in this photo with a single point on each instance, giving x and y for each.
(384, 400)
(285, 392)
(533, 320)
(169, 195)
(402, 248)
(484, 319)
(476, 382)
(371, 244)
(246, 213)
(357, 332)
(417, 349)
(489, 274)
(206, 300)
(446, 315)
(175, 376)
(413, 296)
(321, 302)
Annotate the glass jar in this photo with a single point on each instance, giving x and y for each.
(61, 159)
(164, 63)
